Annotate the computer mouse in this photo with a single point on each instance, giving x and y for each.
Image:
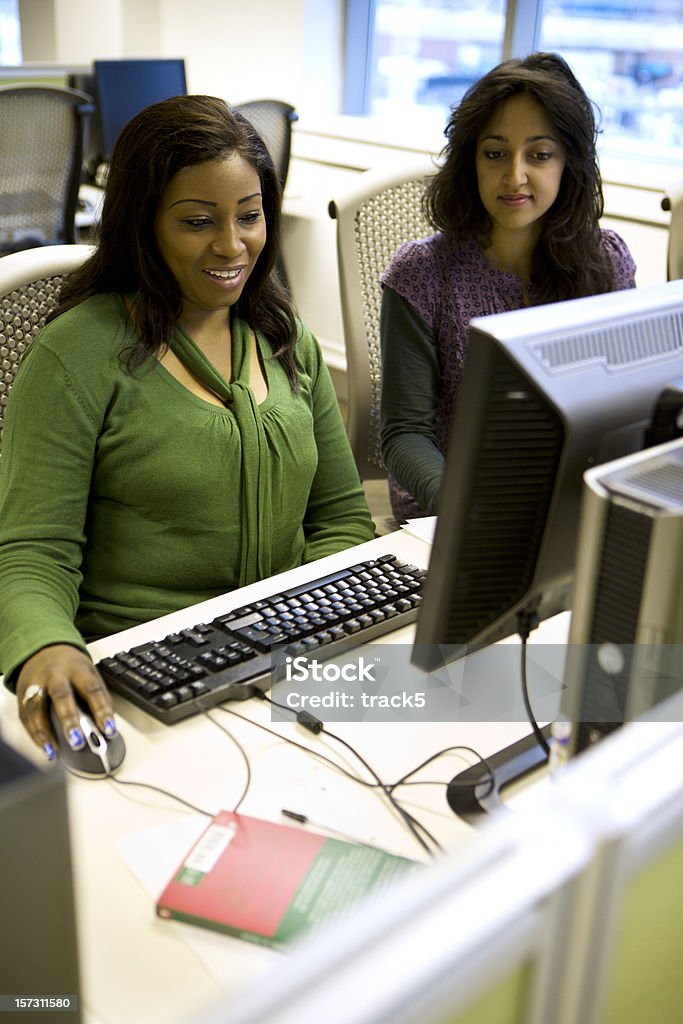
(99, 757)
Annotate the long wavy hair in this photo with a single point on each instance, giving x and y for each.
(569, 260)
(153, 147)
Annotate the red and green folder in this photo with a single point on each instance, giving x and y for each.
(268, 883)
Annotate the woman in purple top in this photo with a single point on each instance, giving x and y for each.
(516, 206)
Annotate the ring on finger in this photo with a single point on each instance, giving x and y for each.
(33, 692)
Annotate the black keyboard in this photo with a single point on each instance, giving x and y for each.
(231, 657)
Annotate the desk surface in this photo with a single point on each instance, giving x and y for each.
(136, 966)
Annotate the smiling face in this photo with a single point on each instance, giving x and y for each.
(210, 229)
(519, 162)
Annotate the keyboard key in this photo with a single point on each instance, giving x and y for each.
(229, 657)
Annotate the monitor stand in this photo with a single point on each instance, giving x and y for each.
(472, 793)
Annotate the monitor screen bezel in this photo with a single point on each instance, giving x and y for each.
(602, 410)
(114, 106)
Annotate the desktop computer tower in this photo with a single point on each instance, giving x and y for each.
(38, 944)
(625, 652)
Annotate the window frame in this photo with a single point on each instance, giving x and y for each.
(523, 21)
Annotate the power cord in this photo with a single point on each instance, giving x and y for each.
(403, 781)
(300, 746)
(526, 621)
(314, 725)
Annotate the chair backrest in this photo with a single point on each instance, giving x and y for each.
(273, 120)
(380, 211)
(673, 202)
(42, 133)
(30, 283)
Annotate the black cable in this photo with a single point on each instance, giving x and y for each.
(307, 750)
(316, 726)
(543, 743)
(173, 796)
(350, 775)
(448, 750)
(239, 746)
(414, 825)
(164, 792)
(143, 785)
(527, 620)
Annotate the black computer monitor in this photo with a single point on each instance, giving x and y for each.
(546, 393)
(125, 87)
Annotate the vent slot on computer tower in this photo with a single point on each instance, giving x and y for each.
(618, 592)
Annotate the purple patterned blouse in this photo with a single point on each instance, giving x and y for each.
(448, 283)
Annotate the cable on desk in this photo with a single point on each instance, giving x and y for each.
(307, 750)
(313, 724)
(448, 750)
(315, 753)
(350, 775)
(143, 785)
(239, 746)
(414, 824)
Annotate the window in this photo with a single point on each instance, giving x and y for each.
(10, 32)
(417, 57)
(638, 81)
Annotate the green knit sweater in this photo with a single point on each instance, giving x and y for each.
(124, 497)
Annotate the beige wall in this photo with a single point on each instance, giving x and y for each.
(289, 49)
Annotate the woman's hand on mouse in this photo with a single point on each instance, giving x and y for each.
(55, 674)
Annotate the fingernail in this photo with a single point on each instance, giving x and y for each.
(110, 728)
(50, 751)
(76, 739)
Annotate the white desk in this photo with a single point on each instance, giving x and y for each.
(136, 967)
(88, 214)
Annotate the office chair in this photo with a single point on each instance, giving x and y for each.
(42, 136)
(29, 289)
(273, 120)
(379, 212)
(673, 202)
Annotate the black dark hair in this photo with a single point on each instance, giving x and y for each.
(569, 260)
(152, 148)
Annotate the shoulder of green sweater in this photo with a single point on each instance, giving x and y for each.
(308, 351)
(306, 338)
(99, 321)
(82, 350)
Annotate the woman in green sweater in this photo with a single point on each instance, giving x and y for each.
(173, 432)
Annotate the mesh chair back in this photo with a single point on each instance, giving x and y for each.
(380, 212)
(273, 120)
(41, 150)
(30, 282)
